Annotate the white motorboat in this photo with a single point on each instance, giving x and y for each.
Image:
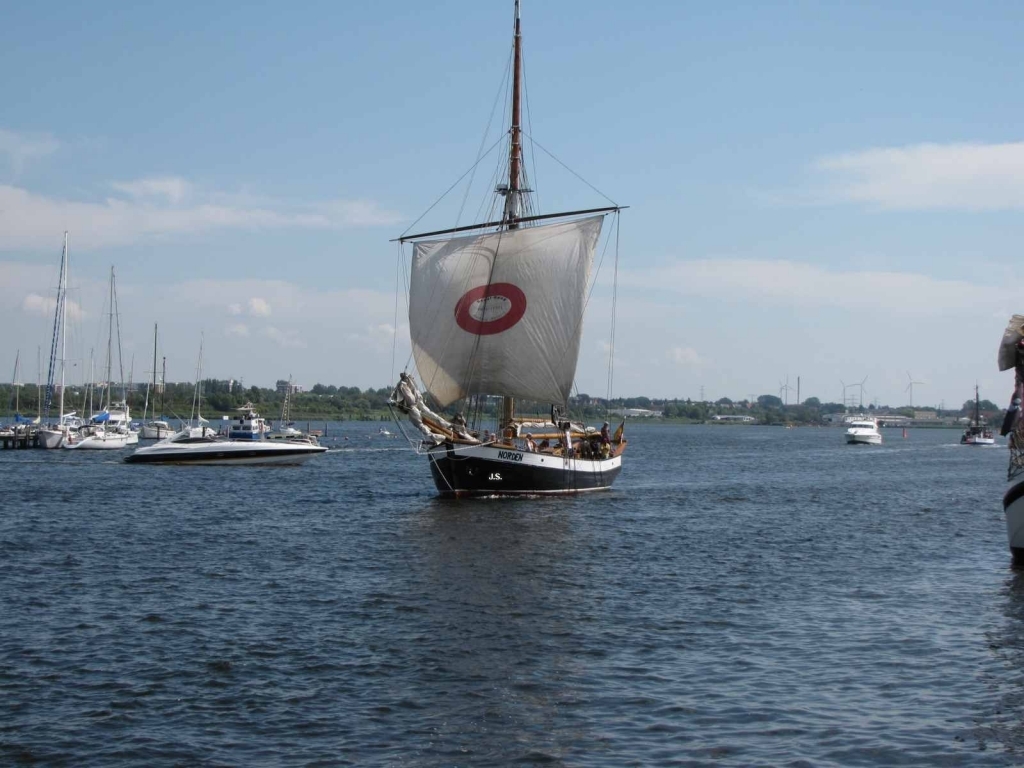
(248, 425)
(863, 432)
(201, 445)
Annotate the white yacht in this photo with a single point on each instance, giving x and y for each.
(863, 432)
(202, 445)
(248, 425)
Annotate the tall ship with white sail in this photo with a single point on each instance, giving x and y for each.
(496, 316)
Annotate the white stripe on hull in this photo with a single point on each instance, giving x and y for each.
(521, 458)
(222, 462)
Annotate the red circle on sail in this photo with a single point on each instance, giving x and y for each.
(490, 308)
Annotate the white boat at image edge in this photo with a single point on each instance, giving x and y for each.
(495, 317)
(1011, 356)
(863, 432)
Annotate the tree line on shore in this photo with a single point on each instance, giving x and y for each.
(332, 402)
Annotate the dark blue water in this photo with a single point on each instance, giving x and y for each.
(744, 596)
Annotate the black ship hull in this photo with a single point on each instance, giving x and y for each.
(460, 471)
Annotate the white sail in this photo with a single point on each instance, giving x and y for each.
(502, 313)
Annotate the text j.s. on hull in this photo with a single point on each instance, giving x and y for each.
(482, 470)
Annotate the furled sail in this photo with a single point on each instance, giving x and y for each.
(1014, 332)
(502, 313)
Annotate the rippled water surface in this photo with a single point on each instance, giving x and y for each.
(744, 596)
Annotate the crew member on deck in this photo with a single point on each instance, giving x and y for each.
(606, 441)
(530, 445)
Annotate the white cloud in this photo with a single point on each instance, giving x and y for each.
(964, 176)
(20, 148)
(259, 307)
(34, 304)
(289, 338)
(238, 329)
(148, 209)
(686, 357)
(808, 285)
(379, 337)
(171, 188)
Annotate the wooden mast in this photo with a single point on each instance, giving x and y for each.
(512, 198)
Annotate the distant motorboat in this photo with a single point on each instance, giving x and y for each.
(863, 432)
(383, 432)
(977, 433)
(248, 425)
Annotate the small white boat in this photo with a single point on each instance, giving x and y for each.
(863, 432)
(156, 430)
(201, 445)
(977, 433)
(383, 432)
(99, 439)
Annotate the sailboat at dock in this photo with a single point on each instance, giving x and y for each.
(109, 429)
(54, 435)
(155, 429)
(496, 311)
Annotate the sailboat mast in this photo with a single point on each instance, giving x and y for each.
(977, 407)
(63, 327)
(163, 385)
(513, 210)
(14, 382)
(151, 385)
(110, 337)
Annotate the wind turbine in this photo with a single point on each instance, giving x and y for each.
(784, 390)
(861, 385)
(844, 393)
(910, 387)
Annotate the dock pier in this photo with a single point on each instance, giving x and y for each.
(19, 439)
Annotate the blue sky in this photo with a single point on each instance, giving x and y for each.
(815, 190)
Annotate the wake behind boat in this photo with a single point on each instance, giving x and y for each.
(496, 310)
